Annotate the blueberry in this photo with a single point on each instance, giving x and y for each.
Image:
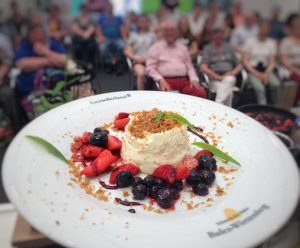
(160, 182)
(99, 139)
(149, 181)
(140, 191)
(136, 181)
(97, 130)
(208, 176)
(214, 164)
(200, 189)
(205, 162)
(153, 191)
(174, 194)
(178, 185)
(164, 199)
(124, 179)
(194, 178)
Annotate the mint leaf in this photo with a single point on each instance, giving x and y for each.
(158, 116)
(218, 153)
(48, 147)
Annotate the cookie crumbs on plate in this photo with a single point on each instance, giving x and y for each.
(223, 170)
(125, 193)
(229, 124)
(220, 191)
(144, 122)
(81, 216)
(126, 238)
(57, 222)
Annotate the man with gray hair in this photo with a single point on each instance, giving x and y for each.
(169, 64)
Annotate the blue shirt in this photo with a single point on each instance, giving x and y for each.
(111, 26)
(25, 81)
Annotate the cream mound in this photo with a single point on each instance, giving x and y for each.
(149, 144)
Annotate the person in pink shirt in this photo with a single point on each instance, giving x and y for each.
(169, 63)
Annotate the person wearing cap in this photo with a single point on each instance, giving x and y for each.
(169, 63)
(221, 65)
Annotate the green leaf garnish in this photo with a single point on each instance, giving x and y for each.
(158, 116)
(47, 146)
(218, 153)
(174, 117)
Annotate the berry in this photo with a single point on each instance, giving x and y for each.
(205, 162)
(85, 137)
(174, 194)
(121, 123)
(89, 151)
(124, 179)
(113, 143)
(178, 185)
(140, 191)
(160, 182)
(132, 168)
(208, 176)
(99, 139)
(200, 189)
(121, 115)
(136, 181)
(206, 152)
(164, 199)
(97, 130)
(153, 191)
(182, 172)
(166, 172)
(214, 164)
(100, 164)
(149, 181)
(194, 178)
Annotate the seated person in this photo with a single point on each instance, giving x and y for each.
(185, 36)
(221, 65)
(111, 34)
(169, 64)
(259, 59)
(56, 23)
(36, 52)
(137, 48)
(290, 51)
(84, 42)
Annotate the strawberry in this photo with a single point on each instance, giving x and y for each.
(121, 115)
(89, 151)
(113, 143)
(182, 172)
(121, 123)
(132, 168)
(100, 164)
(199, 154)
(85, 137)
(166, 172)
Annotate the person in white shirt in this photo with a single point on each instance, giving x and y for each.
(259, 59)
(137, 48)
(244, 32)
(197, 19)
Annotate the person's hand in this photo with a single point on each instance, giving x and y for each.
(164, 86)
(101, 39)
(229, 73)
(195, 83)
(41, 49)
(218, 77)
(140, 60)
(264, 78)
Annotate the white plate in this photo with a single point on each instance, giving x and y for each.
(265, 189)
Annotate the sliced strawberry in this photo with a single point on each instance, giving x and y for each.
(182, 172)
(199, 154)
(100, 164)
(166, 172)
(132, 168)
(85, 138)
(121, 115)
(89, 151)
(113, 143)
(121, 124)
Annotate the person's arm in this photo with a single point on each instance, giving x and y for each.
(249, 67)
(128, 52)
(124, 32)
(190, 69)
(89, 32)
(210, 73)
(271, 65)
(3, 72)
(286, 63)
(32, 64)
(77, 30)
(193, 49)
(99, 34)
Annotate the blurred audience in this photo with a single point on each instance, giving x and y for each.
(215, 14)
(197, 19)
(277, 26)
(244, 32)
(237, 14)
(111, 34)
(170, 65)
(259, 59)
(56, 24)
(185, 36)
(84, 42)
(221, 65)
(137, 48)
(290, 51)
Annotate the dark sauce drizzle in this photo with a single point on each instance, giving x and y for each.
(197, 134)
(127, 203)
(104, 185)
